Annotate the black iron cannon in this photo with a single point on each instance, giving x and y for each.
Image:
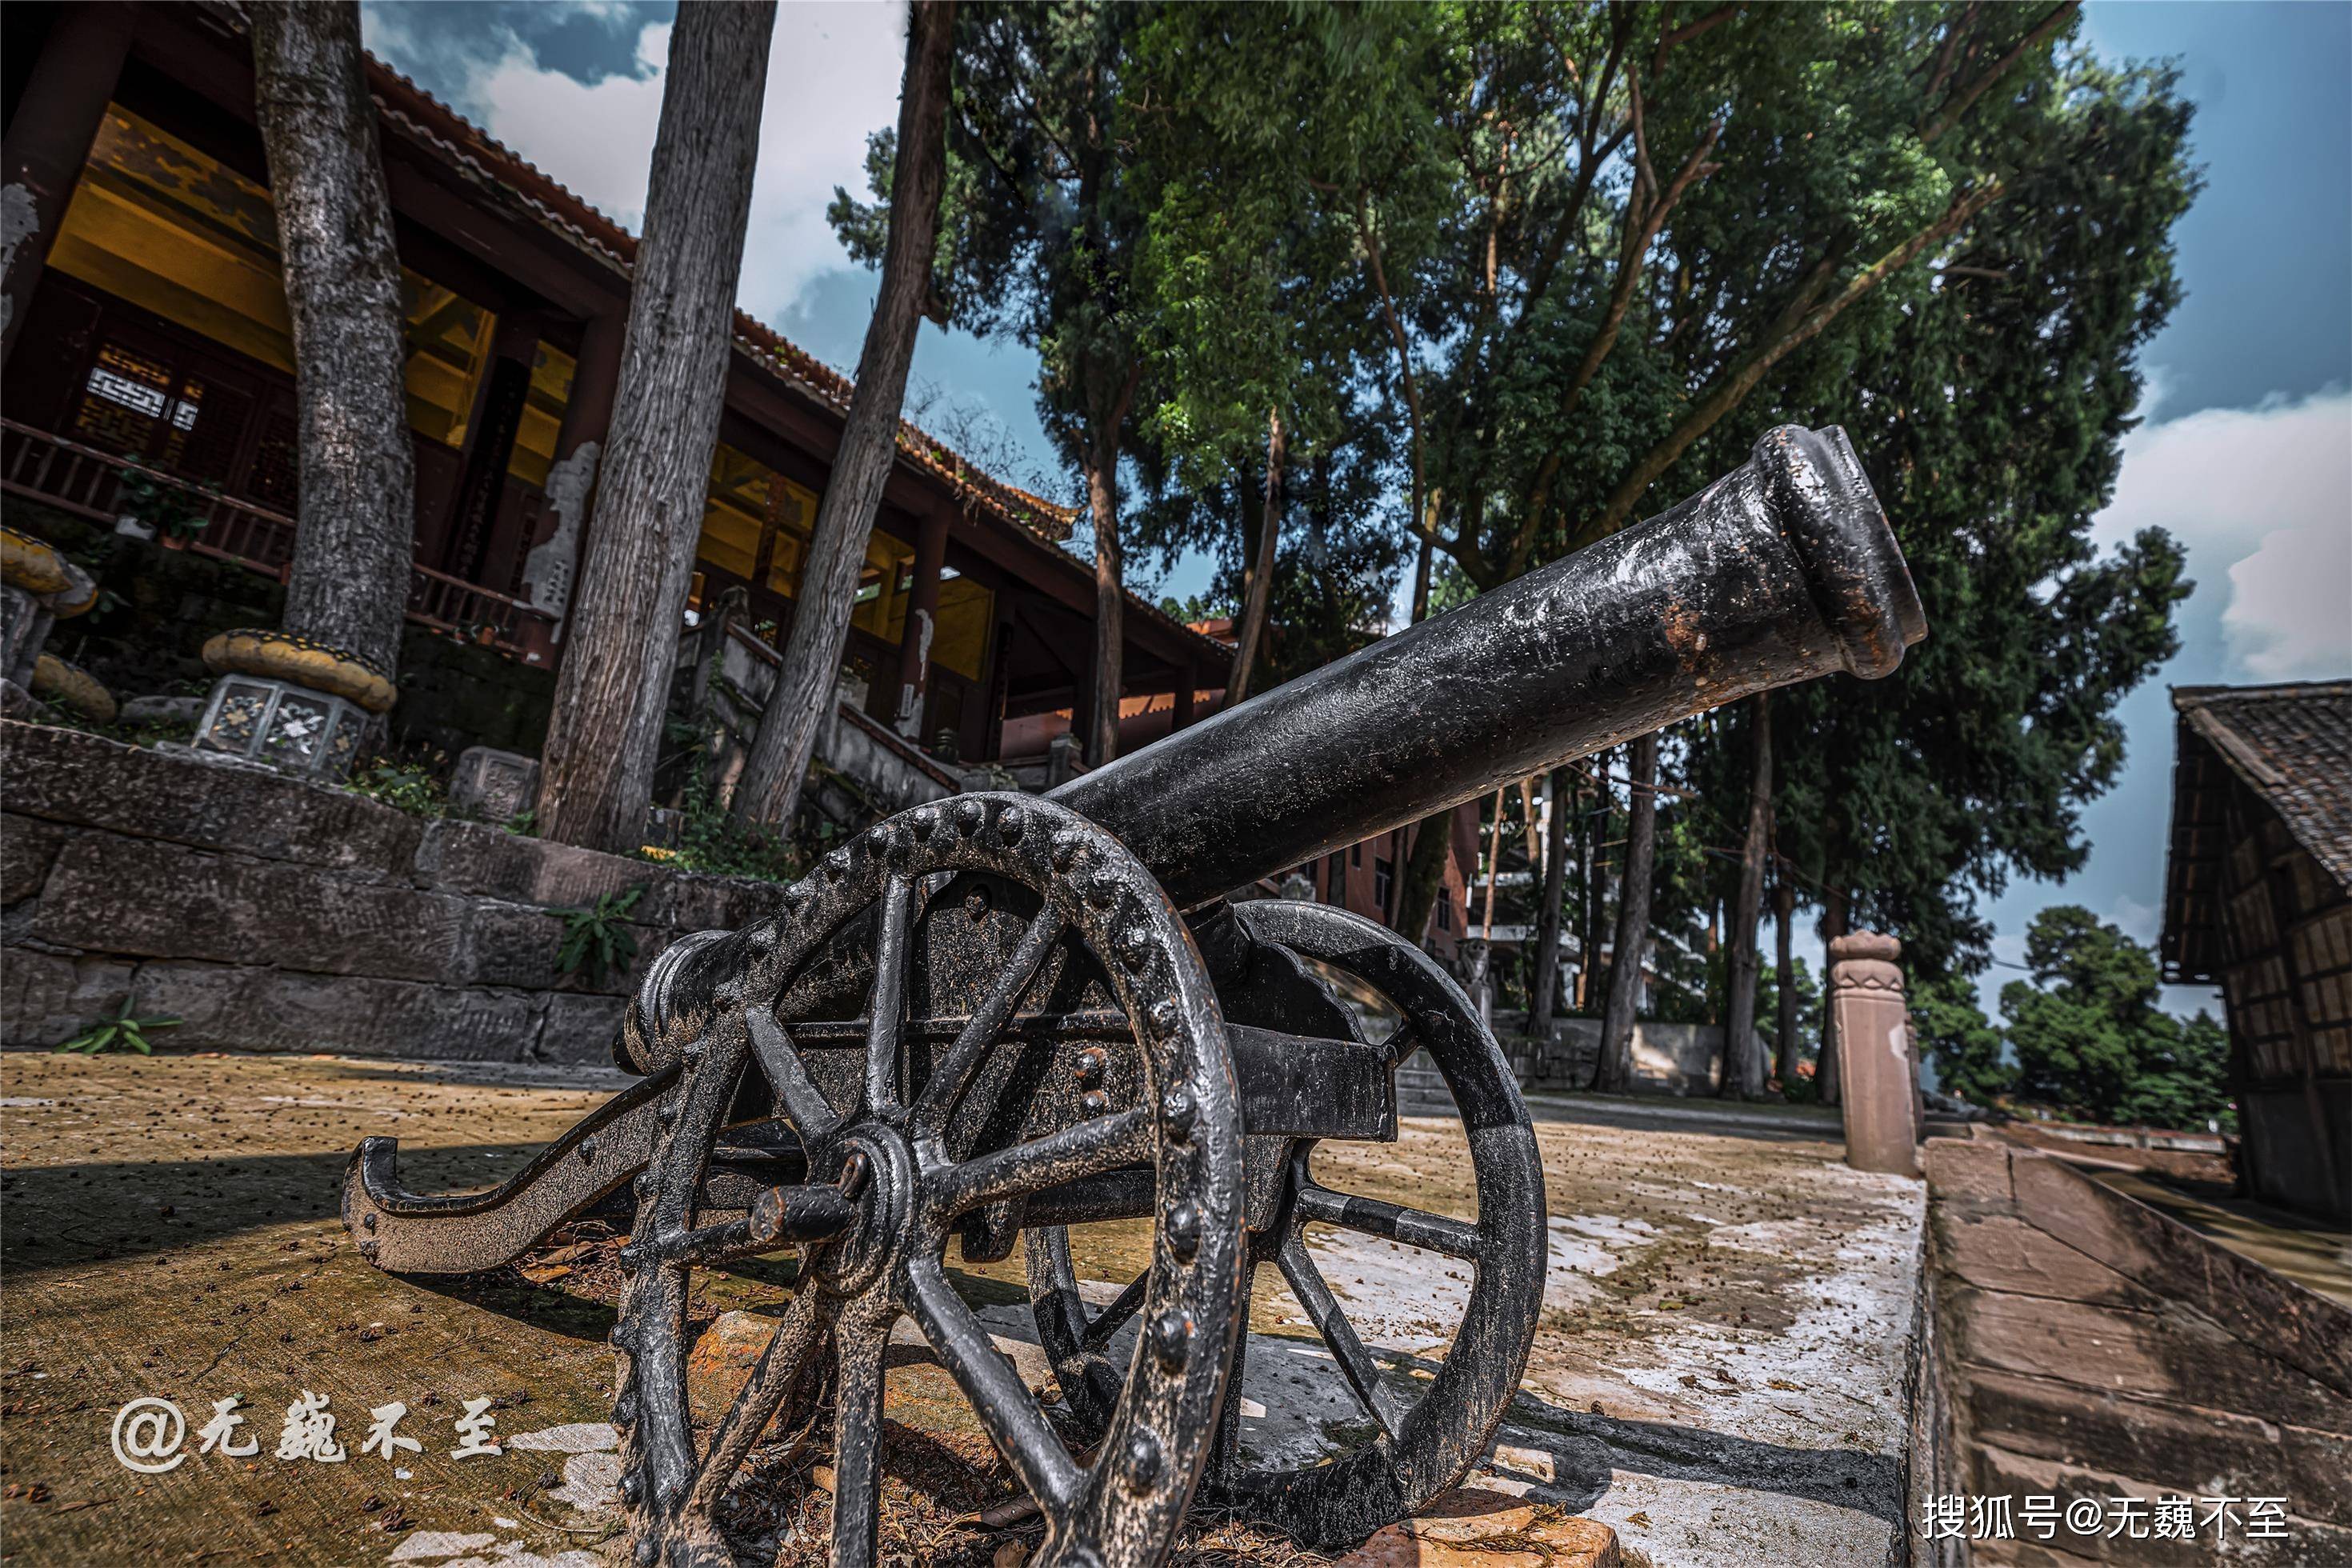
(993, 1017)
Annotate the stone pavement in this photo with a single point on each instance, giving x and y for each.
(1719, 1377)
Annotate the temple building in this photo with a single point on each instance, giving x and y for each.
(2258, 901)
(147, 424)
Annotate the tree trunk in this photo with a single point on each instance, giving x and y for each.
(1826, 1072)
(1257, 588)
(348, 585)
(611, 691)
(1743, 1058)
(1784, 909)
(802, 702)
(1633, 919)
(1589, 839)
(1544, 989)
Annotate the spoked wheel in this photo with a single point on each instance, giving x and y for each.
(884, 1194)
(1425, 1433)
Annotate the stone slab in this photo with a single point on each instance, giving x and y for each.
(157, 900)
(28, 847)
(2000, 1252)
(482, 858)
(45, 998)
(65, 775)
(1968, 1169)
(242, 1008)
(578, 1029)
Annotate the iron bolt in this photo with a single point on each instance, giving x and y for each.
(1091, 1063)
(1171, 1336)
(1094, 1102)
(1183, 1227)
(1178, 1110)
(1142, 1461)
(1009, 823)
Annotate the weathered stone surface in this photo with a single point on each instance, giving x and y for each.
(2173, 1356)
(2303, 1329)
(494, 785)
(28, 847)
(2186, 1449)
(67, 776)
(1999, 1252)
(164, 711)
(697, 901)
(478, 857)
(2000, 1472)
(45, 999)
(517, 944)
(242, 1008)
(578, 1029)
(1467, 1527)
(1975, 1169)
(155, 899)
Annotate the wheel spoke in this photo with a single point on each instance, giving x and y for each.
(1081, 1150)
(938, 1102)
(1002, 1402)
(776, 1373)
(1412, 1227)
(1098, 1333)
(1355, 1361)
(887, 1012)
(811, 1116)
(857, 1451)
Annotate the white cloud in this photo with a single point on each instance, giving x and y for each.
(832, 77)
(2262, 498)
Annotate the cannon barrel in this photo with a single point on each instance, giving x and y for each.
(1783, 569)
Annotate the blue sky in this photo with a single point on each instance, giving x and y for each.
(2244, 452)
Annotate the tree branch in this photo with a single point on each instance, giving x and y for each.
(1961, 101)
(1733, 390)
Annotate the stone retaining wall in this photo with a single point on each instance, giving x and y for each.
(2085, 1346)
(271, 914)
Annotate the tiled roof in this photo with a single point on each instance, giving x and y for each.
(486, 164)
(2293, 745)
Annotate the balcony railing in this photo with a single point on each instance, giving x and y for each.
(89, 483)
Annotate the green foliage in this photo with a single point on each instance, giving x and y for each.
(711, 840)
(122, 1032)
(1964, 1045)
(597, 938)
(172, 511)
(2089, 1040)
(405, 785)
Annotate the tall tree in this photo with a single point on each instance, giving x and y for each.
(1743, 1053)
(904, 238)
(1784, 978)
(611, 695)
(1544, 987)
(347, 584)
(1049, 194)
(1616, 1067)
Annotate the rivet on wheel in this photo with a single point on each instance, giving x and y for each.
(1066, 846)
(1183, 1228)
(690, 1054)
(667, 1113)
(367, 1221)
(1142, 1461)
(1009, 824)
(625, 1409)
(967, 815)
(1094, 1102)
(1102, 890)
(1171, 1336)
(922, 823)
(644, 1183)
(1091, 1063)
(647, 1553)
(1135, 945)
(1178, 1110)
(1164, 1014)
(836, 865)
(368, 1251)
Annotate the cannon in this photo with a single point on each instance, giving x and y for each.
(995, 1017)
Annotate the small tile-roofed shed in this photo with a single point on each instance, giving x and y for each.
(2258, 901)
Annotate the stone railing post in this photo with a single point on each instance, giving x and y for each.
(1877, 1063)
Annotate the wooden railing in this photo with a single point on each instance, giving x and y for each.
(89, 483)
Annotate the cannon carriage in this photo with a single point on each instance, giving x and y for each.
(995, 1017)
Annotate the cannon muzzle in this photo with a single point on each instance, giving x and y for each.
(1783, 569)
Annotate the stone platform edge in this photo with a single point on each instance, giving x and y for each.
(269, 913)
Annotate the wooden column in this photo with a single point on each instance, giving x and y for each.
(1185, 682)
(49, 142)
(489, 447)
(922, 620)
(547, 573)
(1878, 1067)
